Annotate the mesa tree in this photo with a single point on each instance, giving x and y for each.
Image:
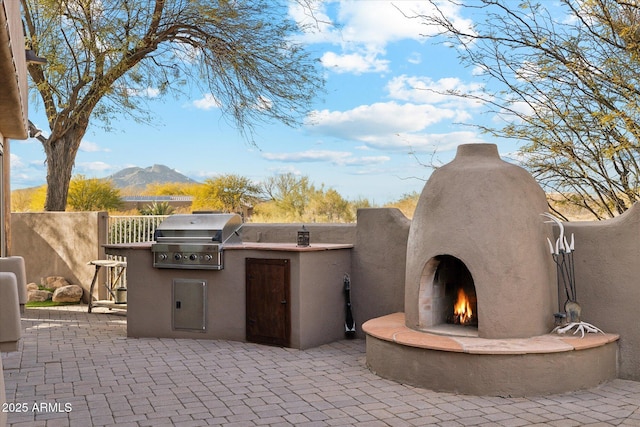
(104, 58)
(566, 84)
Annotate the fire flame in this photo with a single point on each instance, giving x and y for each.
(462, 308)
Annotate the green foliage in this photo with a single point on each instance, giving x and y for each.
(292, 198)
(170, 189)
(289, 194)
(155, 208)
(226, 193)
(48, 303)
(92, 194)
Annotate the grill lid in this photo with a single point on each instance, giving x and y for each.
(189, 228)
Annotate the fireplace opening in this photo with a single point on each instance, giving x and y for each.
(449, 296)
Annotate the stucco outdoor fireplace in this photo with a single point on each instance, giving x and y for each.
(480, 291)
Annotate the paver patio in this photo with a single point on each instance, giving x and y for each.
(80, 369)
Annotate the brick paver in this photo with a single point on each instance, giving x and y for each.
(80, 369)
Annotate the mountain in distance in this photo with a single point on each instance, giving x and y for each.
(138, 178)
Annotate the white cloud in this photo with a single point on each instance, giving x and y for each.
(362, 29)
(286, 169)
(443, 91)
(424, 142)
(150, 92)
(263, 103)
(90, 167)
(355, 63)
(207, 102)
(380, 22)
(16, 162)
(414, 58)
(91, 147)
(26, 174)
(340, 158)
(147, 92)
(377, 119)
(517, 110)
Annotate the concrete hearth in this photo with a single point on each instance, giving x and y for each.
(477, 235)
(514, 367)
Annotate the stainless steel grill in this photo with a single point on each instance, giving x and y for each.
(195, 241)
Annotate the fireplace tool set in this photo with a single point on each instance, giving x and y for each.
(562, 254)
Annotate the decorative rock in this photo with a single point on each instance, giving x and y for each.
(70, 293)
(38, 295)
(32, 287)
(54, 282)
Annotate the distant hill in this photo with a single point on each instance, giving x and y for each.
(139, 178)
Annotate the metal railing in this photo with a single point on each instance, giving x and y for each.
(129, 229)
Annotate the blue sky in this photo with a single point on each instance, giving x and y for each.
(367, 135)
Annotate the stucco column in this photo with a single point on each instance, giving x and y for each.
(6, 202)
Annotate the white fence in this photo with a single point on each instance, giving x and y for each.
(130, 229)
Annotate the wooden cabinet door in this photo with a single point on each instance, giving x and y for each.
(268, 306)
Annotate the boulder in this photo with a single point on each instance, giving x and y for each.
(32, 287)
(54, 282)
(38, 295)
(70, 293)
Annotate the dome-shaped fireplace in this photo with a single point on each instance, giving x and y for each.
(480, 291)
(484, 213)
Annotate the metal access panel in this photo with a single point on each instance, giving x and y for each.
(189, 305)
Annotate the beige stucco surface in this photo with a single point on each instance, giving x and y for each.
(607, 268)
(316, 300)
(13, 73)
(287, 233)
(607, 263)
(59, 244)
(492, 374)
(486, 213)
(379, 259)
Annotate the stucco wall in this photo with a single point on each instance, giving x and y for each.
(606, 257)
(607, 263)
(378, 264)
(59, 244)
(288, 233)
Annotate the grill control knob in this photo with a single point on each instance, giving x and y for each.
(162, 257)
(208, 257)
(193, 257)
(177, 257)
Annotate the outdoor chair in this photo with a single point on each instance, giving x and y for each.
(15, 265)
(10, 328)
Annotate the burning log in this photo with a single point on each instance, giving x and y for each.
(462, 310)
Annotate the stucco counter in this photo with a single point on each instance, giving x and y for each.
(305, 285)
